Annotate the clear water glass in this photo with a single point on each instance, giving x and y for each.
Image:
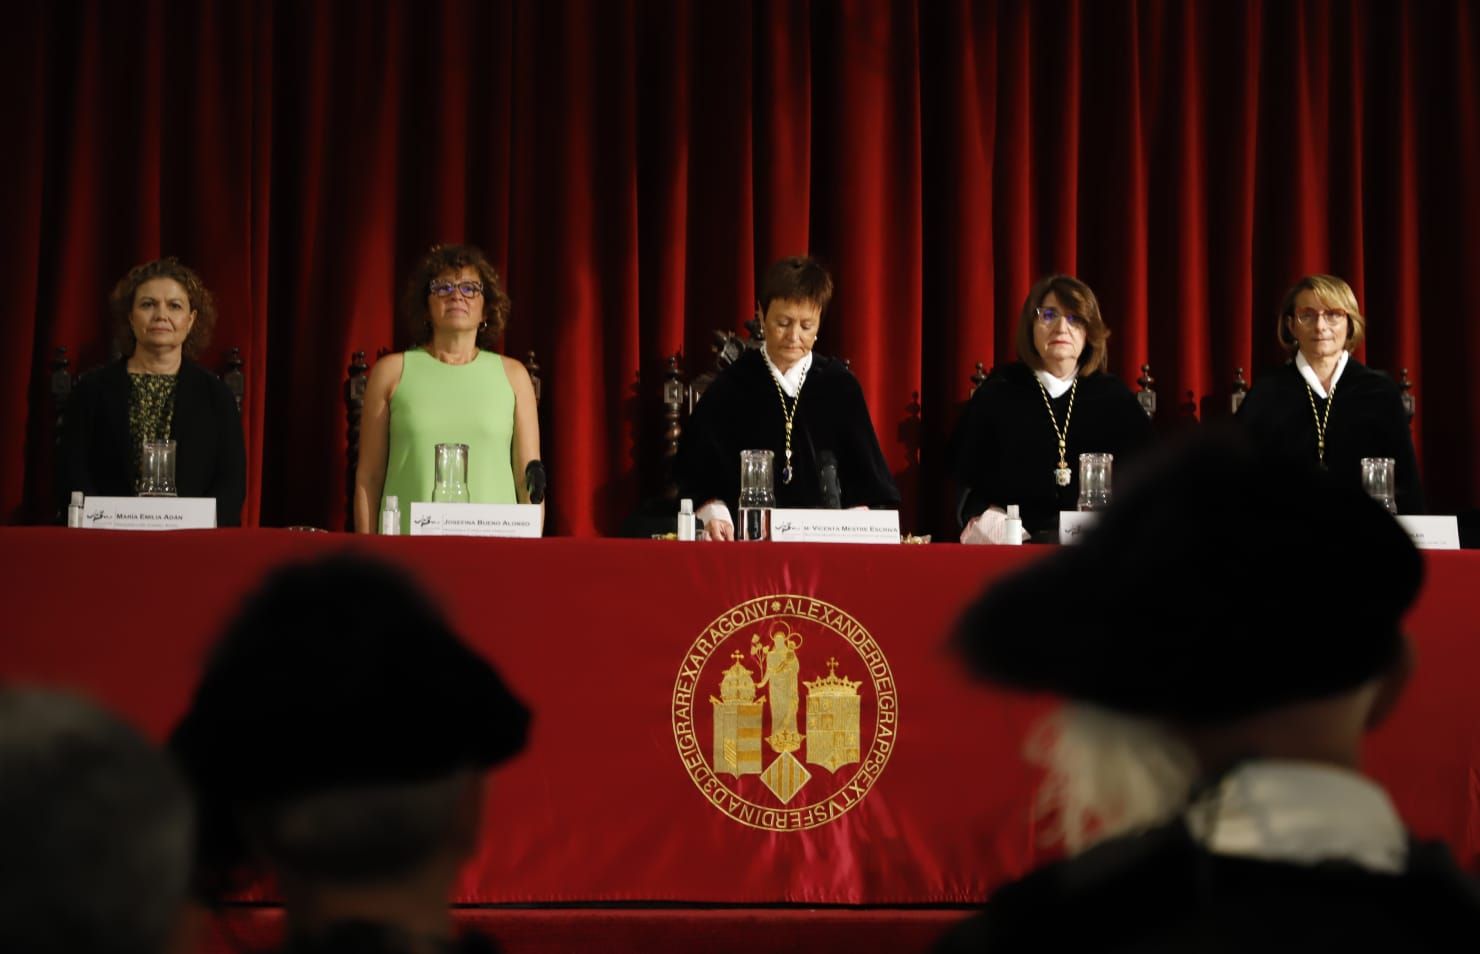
(757, 494)
(1094, 481)
(157, 469)
(450, 474)
(1377, 480)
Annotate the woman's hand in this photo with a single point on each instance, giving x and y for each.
(715, 517)
(526, 442)
(989, 527)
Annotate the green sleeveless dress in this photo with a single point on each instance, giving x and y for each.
(437, 403)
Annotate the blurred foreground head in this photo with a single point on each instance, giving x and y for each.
(95, 832)
(340, 730)
(1218, 584)
(1226, 607)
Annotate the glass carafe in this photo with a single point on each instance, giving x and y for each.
(1094, 481)
(450, 475)
(757, 494)
(157, 469)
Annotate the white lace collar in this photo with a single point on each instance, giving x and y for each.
(1055, 386)
(791, 380)
(1309, 373)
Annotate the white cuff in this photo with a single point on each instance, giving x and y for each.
(714, 510)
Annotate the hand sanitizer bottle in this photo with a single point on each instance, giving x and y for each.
(1014, 526)
(686, 519)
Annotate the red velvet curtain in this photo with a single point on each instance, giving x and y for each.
(631, 166)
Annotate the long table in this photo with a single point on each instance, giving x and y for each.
(744, 724)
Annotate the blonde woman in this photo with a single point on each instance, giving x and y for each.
(1324, 408)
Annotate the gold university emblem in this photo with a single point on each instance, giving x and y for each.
(748, 731)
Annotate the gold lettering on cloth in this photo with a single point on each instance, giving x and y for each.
(776, 712)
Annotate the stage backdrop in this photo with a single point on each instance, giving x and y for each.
(631, 166)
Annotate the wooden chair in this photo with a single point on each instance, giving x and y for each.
(1240, 390)
(1146, 397)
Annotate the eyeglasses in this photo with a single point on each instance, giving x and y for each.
(1047, 316)
(466, 289)
(1308, 317)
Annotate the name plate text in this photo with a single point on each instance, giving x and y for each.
(835, 526)
(1074, 523)
(149, 513)
(1432, 533)
(475, 520)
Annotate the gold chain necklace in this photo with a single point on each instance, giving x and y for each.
(1061, 472)
(1321, 420)
(788, 414)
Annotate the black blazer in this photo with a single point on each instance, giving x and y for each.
(211, 456)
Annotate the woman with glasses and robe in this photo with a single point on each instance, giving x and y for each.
(1019, 441)
(449, 388)
(1324, 408)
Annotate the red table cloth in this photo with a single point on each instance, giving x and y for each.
(714, 723)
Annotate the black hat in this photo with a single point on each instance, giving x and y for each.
(339, 673)
(1221, 583)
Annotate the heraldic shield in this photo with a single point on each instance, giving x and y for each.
(797, 737)
(832, 719)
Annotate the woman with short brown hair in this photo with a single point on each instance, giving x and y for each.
(163, 316)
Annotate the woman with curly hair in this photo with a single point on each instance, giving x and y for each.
(163, 316)
(449, 387)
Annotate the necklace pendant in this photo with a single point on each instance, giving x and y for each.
(1061, 476)
(786, 474)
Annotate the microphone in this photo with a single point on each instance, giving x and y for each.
(534, 481)
(827, 471)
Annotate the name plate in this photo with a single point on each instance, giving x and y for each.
(149, 513)
(475, 520)
(1432, 533)
(1074, 523)
(835, 526)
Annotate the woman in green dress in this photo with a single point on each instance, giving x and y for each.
(449, 388)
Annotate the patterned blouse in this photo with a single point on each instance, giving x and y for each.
(151, 412)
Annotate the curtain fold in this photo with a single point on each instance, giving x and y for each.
(631, 167)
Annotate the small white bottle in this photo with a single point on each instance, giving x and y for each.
(1014, 527)
(686, 519)
(390, 517)
(74, 510)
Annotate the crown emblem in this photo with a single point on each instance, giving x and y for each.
(737, 684)
(832, 684)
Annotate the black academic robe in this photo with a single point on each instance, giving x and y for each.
(1161, 891)
(1005, 450)
(210, 455)
(1366, 420)
(742, 410)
